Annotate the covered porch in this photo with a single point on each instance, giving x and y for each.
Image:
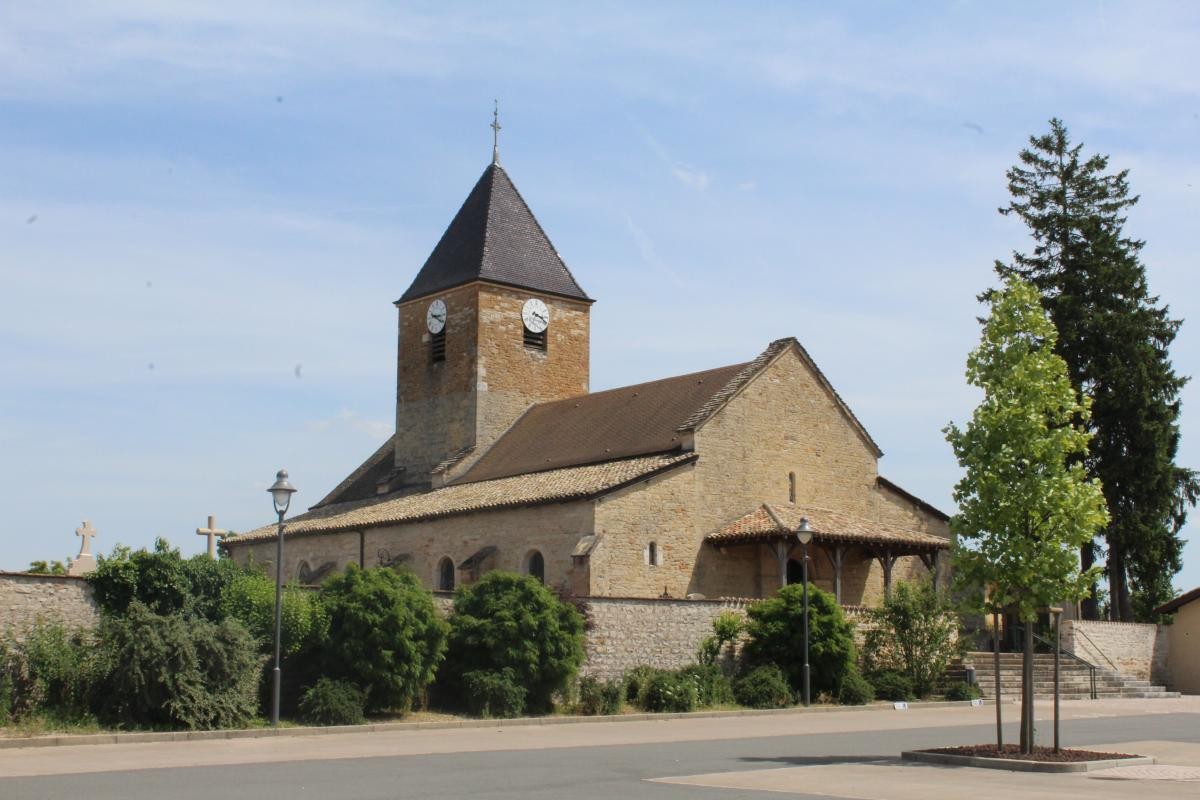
(848, 556)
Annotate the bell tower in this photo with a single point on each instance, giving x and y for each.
(493, 323)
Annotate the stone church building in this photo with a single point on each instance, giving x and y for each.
(687, 487)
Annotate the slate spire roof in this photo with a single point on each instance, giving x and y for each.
(495, 237)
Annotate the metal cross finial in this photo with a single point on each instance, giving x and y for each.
(496, 133)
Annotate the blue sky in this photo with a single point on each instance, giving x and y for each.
(207, 209)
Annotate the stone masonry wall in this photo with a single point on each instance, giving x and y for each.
(1136, 650)
(626, 633)
(25, 597)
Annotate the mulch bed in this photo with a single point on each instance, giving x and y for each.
(1012, 751)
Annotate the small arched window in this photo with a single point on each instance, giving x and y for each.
(535, 565)
(445, 579)
(652, 554)
(791, 487)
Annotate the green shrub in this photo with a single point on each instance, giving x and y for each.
(712, 685)
(915, 633)
(598, 697)
(961, 690)
(384, 635)
(490, 693)
(52, 670)
(176, 671)
(636, 680)
(250, 599)
(513, 622)
(763, 687)
(162, 580)
(856, 690)
(775, 629)
(727, 627)
(891, 685)
(330, 702)
(670, 692)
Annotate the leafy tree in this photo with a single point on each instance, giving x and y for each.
(1114, 337)
(1025, 502)
(915, 633)
(48, 567)
(385, 635)
(513, 622)
(776, 636)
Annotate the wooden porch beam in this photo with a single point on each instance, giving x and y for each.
(836, 559)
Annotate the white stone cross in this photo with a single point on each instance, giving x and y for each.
(85, 562)
(86, 532)
(213, 533)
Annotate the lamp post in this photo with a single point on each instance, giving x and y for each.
(281, 492)
(804, 534)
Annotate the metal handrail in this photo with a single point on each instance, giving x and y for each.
(1064, 651)
(1083, 633)
(1069, 654)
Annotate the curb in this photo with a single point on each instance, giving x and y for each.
(1016, 765)
(150, 737)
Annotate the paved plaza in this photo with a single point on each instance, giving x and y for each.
(842, 754)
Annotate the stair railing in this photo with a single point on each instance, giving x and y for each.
(1039, 639)
(1083, 633)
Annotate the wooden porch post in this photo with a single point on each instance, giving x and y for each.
(836, 558)
(781, 553)
(888, 561)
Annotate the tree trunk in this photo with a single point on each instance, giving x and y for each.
(1120, 605)
(1027, 734)
(1089, 608)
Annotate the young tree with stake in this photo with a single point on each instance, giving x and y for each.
(1025, 503)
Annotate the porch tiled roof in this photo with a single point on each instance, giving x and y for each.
(551, 486)
(769, 522)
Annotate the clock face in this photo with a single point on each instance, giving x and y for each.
(535, 315)
(435, 317)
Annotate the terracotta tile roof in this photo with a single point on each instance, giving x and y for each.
(770, 521)
(618, 423)
(495, 237)
(361, 484)
(1172, 606)
(522, 490)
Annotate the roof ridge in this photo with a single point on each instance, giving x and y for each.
(735, 384)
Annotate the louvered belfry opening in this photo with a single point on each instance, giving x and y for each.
(437, 347)
(535, 341)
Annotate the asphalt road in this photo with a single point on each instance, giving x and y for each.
(578, 773)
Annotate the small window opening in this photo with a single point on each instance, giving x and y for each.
(437, 346)
(535, 341)
(536, 566)
(446, 575)
(652, 555)
(791, 487)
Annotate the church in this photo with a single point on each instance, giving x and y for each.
(692, 486)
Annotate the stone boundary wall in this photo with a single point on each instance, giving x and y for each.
(25, 597)
(628, 632)
(1136, 649)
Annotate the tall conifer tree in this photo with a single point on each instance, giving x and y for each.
(1115, 338)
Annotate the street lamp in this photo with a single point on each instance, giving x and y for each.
(281, 492)
(804, 534)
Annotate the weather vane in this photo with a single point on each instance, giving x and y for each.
(496, 133)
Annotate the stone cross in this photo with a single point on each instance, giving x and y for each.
(85, 562)
(213, 533)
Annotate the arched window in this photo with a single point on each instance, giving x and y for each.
(652, 555)
(795, 571)
(791, 487)
(445, 575)
(535, 565)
